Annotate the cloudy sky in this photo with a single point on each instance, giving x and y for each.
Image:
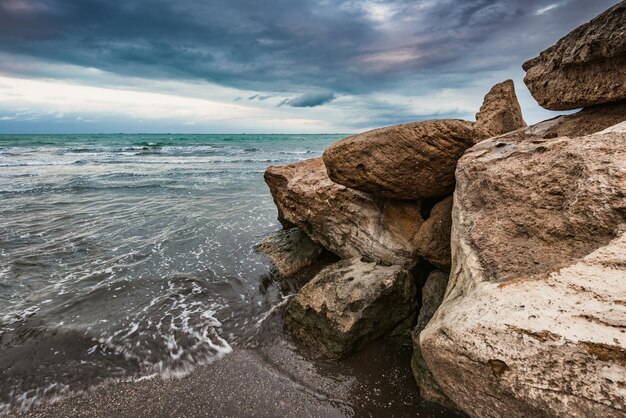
(79, 66)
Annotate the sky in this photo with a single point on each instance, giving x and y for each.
(255, 66)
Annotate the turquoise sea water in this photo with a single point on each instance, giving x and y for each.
(129, 255)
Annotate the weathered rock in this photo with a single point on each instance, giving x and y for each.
(417, 160)
(587, 121)
(500, 112)
(409, 161)
(290, 250)
(402, 333)
(432, 294)
(584, 68)
(345, 221)
(533, 320)
(349, 304)
(433, 242)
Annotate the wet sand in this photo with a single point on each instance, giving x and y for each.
(275, 380)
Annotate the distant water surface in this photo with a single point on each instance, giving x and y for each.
(128, 255)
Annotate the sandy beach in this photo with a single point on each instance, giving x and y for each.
(271, 381)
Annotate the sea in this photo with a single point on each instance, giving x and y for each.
(129, 256)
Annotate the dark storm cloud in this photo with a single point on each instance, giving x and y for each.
(309, 100)
(292, 45)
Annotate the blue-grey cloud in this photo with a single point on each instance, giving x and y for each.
(293, 45)
(309, 100)
(260, 97)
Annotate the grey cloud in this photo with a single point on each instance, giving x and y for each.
(309, 100)
(260, 97)
(287, 46)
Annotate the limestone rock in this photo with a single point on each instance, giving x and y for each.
(409, 161)
(433, 242)
(290, 250)
(345, 221)
(349, 304)
(432, 294)
(587, 121)
(585, 67)
(533, 320)
(417, 160)
(500, 112)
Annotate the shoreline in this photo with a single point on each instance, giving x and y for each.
(277, 379)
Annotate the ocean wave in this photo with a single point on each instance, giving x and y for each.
(172, 334)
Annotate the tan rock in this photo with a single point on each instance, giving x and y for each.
(290, 250)
(349, 304)
(417, 160)
(345, 221)
(433, 241)
(587, 121)
(500, 112)
(532, 323)
(409, 161)
(585, 67)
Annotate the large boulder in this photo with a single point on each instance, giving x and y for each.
(345, 221)
(584, 68)
(500, 112)
(349, 304)
(417, 160)
(432, 294)
(433, 242)
(533, 320)
(290, 250)
(409, 161)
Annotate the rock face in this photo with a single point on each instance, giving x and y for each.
(349, 304)
(290, 250)
(345, 221)
(417, 160)
(432, 294)
(409, 161)
(433, 242)
(500, 112)
(534, 316)
(584, 68)
(587, 121)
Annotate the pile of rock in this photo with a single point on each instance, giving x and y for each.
(524, 306)
(382, 202)
(533, 322)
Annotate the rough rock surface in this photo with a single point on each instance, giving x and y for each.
(587, 121)
(432, 294)
(433, 242)
(345, 221)
(417, 160)
(534, 315)
(500, 112)
(349, 304)
(584, 68)
(409, 161)
(290, 250)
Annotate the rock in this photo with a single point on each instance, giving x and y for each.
(500, 112)
(587, 121)
(290, 250)
(417, 160)
(349, 304)
(433, 242)
(432, 294)
(347, 222)
(402, 333)
(533, 320)
(409, 161)
(586, 67)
